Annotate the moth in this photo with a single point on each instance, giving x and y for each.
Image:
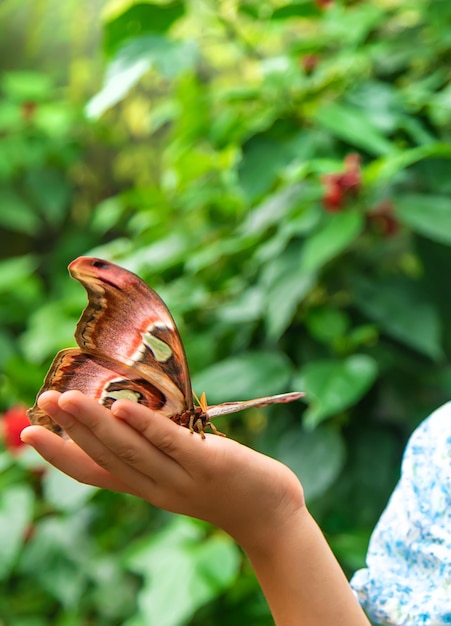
(129, 347)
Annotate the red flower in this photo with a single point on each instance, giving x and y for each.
(309, 62)
(333, 196)
(351, 180)
(14, 420)
(323, 4)
(339, 187)
(382, 219)
(28, 110)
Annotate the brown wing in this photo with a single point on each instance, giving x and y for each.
(233, 407)
(129, 347)
(105, 381)
(126, 321)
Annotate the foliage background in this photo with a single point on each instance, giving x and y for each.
(203, 145)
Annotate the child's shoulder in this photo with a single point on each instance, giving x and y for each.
(437, 425)
(427, 457)
(408, 574)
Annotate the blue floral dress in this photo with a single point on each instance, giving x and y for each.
(407, 581)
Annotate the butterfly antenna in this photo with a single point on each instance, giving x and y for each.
(202, 401)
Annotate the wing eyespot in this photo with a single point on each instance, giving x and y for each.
(103, 265)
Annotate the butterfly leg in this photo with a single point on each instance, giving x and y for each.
(198, 422)
(214, 429)
(195, 425)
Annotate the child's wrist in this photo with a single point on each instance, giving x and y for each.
(264, 535)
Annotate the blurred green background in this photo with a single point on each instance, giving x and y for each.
(280, 173)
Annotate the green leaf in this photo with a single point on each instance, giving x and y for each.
(355, 127)
(351, 548)
(49, 330)
(403, 312)
(283, 298)
(285, 285)
(440, 106)
(273, 210)
(16, 512)
(107, 214)
(427, 215)
(332, 386)
(306, 8)
(136, 58)
(381, 102)
(57, 122)
(327, 323)
(113, 591)
(17, 215)
(32, 621)
(65, 493)
(263, 158)
(10, 119)
(51, 193)
(161, 254)
(60, 554)
(129, 19)
(250, 375)
(316, 457)
(204, 565)
(6, 459)
(14, 271)
(385, 168)
(332, 239)
(247, 307)
(26, 85)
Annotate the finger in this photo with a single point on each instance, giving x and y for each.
(66, 456)
(159, 430)
(49, 399)
(186, 448)
(65, 413)
(119, 442)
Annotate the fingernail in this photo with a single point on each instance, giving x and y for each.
(68, 407)
(24, 437)
(118, 410)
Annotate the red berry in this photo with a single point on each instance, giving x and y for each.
(339, 187)
(309, 62)
(28, 109)
(13, 421)
(383, 220)
(333, 198)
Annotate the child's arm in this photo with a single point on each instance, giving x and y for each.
(254, 498)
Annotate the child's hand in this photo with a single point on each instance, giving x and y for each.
(135, 450)
(254, 498)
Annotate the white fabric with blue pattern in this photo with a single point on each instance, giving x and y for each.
(408, 577)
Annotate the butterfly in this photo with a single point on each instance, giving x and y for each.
(129, 347)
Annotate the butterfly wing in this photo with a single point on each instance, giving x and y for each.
(126, 321)
(234, 407)
(105, 381)
(129, 345)
(130, 348)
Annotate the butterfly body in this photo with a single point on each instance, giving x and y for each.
(129, 347)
